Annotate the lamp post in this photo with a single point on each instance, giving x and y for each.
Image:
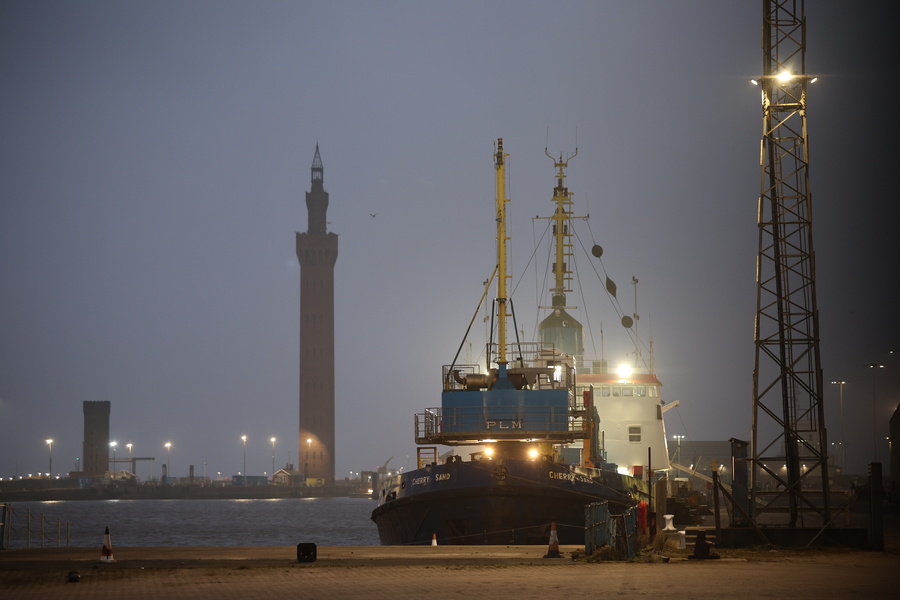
(244, 439)
(840, 385)
(874, 366)
(113, 446)
(131, 459)
(49, 457)
(273, 457)
(168, 446)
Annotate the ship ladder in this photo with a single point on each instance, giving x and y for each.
(426, 455)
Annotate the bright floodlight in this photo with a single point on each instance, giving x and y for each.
(784, 76)
(533, 453)
(624, 371)
(489, 451)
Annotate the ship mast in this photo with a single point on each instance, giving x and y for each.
(562, 236)
(559, 329)
(502, 311)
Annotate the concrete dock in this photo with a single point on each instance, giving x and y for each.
(436, 573)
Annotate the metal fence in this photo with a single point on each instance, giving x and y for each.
(31, 531)
(605, 529)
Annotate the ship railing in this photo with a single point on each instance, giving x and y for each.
(530, 365)
(454, 376)
(531, 354)
(468, 424)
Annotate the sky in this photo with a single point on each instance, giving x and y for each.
(154, 160)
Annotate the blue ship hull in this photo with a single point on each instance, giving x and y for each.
(496, 502)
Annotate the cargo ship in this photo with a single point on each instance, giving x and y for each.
(535, 434)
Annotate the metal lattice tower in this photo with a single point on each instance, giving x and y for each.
(789, 478)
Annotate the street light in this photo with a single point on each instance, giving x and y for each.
(244, 438)
(168, 446)
(113, 446)
(273, 457)
(49, 457)
(874, 366)
(131, 460)
(840, 385)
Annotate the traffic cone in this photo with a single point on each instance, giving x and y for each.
(553, 550)
(434, 539)
(106, 554)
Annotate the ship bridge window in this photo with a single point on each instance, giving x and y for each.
(604, 391)
(617, 391)
(634, 433)
(640, 391)
(628, 391)
(654, 391)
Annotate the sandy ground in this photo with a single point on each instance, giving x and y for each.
(442, 572)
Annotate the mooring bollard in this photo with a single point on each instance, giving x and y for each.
(702, 548)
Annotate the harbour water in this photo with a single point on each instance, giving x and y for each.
(154, 523)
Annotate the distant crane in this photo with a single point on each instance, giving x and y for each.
(789, 476)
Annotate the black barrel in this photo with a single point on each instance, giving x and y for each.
(306, 553)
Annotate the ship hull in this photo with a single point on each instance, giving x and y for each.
(503, 502)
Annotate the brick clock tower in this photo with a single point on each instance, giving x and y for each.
(317, 252)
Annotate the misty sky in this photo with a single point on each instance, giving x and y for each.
(155, 155)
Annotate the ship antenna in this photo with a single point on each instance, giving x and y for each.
(637, 347)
